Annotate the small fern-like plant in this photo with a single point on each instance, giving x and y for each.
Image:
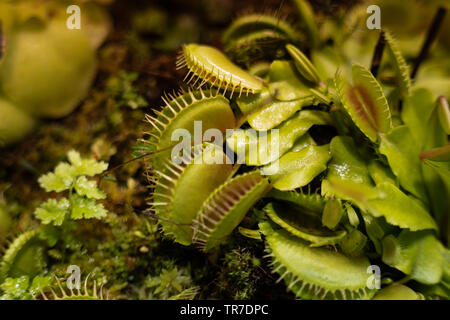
(83, 193)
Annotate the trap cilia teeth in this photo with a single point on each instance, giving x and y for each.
(208, 65)
(23, 256)
(85, 292)
(181, 112)
(331, 130)
(226, 207)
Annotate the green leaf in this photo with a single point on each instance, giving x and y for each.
(353, 243)
(384, 200)
(64, 174)
(88, 188)
(351, 215)
(275, 113)
(296, 169)
(380, 173)
(38, 284)
(53, 211)
(419, 114)
(402, 154)
(347, 163)
(59, 180)
(397, 292)
(376, 229)
(88, 167)
(86, 208)
(259, 148)
(399, 209)
(15, 288)
(303, 65)
(418, 254)
(365, 102)
(357, 193)
(284, 84)
(332, 213)
(400, 67)
(49, 234)
(249, 103)
(442, 189)
(308, 19)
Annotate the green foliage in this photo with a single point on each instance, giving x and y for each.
(240, 274)
(122, 89)
(170, 283)
(379, 165)
(53, 211)
(361, 176)
(418, 254)
(21, 289)
(15, 288)
(81, 202)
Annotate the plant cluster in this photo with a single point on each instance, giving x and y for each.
(375, 151)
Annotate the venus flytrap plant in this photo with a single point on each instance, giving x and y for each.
(260, 149)
(274, 113)
(417, 254)
(306, 15)
(209, 65)
(309, 72)
(302, 224)
(400, 210)
(24, 256)
(398, 292)
(257, 21)
(303, 65)
(315, 273)
(226, 207)
(285, 85)
(365, 102)
(297, 168)
(176, 182)
(332, 213)
(253, 35)
(84, 292)
(180, 113)
(376, 176)
(353, 244)
(400, 67)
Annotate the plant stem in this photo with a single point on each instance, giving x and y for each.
(378, 54)
(431, 36)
